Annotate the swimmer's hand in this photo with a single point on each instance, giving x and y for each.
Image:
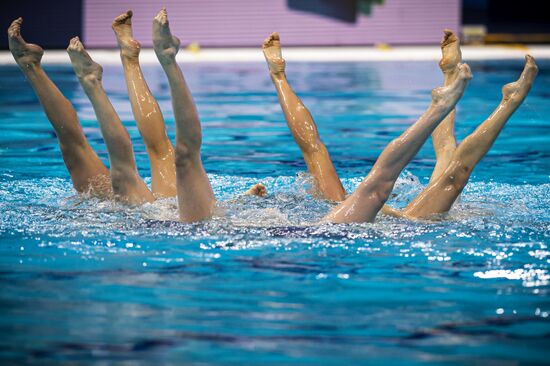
(258, 190)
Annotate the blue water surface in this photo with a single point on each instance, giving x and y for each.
(85, 281)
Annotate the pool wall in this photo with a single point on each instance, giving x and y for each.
(220, 23)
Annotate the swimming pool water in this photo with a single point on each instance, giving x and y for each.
(95, 282)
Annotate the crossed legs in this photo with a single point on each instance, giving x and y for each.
(454, 163)
(442, 190)
(372, 193)
(368, 199)
(88, 173)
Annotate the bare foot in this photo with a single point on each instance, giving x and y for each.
(450, 50)
(450, 94)
(25, 54)
(122, 25)
(257, 190)
(166, 45)
(519, 89)
(84, 67)
(273, 54)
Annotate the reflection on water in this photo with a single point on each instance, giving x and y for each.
(262, 283)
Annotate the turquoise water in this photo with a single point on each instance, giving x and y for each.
(86, 282)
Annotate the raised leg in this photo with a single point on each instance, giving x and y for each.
(146, 111)
(439, 195)
(443, 137)
(302, 126)
(372, 193)
(126, 182)
(195, 196)
(88, 173)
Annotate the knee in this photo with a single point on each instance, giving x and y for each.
(120, 178)
(383, 190)
(311, 146)
(72, 141)
(457, 176)
(397, 142)
(121, 139)
(184, 154)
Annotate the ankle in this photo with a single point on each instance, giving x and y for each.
(129, 61)
(89, 80)
(277, 76)
(129, 50)
(166, 60)
(29, 68)
(28, 65)
(128, 57)
(450, 74)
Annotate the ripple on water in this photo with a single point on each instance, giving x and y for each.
(261, 283)
(485, 266)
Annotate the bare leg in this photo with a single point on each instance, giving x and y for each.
(372, 193)
(195, 196)
(146, 111)
(126, 182)
(302, 126)
(439, 196)
(443, 137)
(88, 173)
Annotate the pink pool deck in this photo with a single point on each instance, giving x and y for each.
(245, 23)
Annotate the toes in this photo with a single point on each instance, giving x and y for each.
(531, 67)
(162, 16)
(448, 38)
(530, 60)
(124, 18)
(269, 41)
(75, 45)
(70, 47)
(15, 28)
(448, 33)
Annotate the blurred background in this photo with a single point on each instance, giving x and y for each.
(244, 23)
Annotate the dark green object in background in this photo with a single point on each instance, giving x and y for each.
(365, 6)
(344, 10)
